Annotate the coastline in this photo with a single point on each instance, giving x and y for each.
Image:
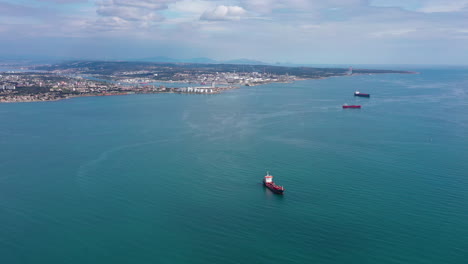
(50, 97)
(32, 100)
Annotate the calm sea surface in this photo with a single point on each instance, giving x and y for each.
(170, 178)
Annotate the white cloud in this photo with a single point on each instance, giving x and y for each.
(310, 27)
(224, 13)
(186, 11)
(143, 10)
(64, 1)
(261, 6)
(109, 24)
(129, 13)
(411, 5)
(191, 6)
(443, 6)
(267, 6)
(393, 32)
(425, 6)
(148, 4)
(332, 30)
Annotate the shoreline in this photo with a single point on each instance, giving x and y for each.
(115, 94)
(219, 90)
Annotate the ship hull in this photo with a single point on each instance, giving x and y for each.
(273, 189)
(362, 95)
(351, 106)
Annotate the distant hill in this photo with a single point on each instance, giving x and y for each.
(170, 70)
(33, 59)
(46, 59)
(201, 60)
(158, 59)
(245, 61)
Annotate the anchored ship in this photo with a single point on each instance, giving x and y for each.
(357, 93)
(351, 106)
(270, 184)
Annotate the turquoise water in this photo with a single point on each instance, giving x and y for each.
(169, 178)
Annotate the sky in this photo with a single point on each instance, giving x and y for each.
(285, 31)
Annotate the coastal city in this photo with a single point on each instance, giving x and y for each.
(32, 86)
(76, 79)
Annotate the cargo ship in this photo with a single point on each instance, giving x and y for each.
(351, 106)
(270, 184)
(357, 93)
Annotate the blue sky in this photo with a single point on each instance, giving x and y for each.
(293, 31)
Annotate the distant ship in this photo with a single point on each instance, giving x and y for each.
(270, 184)
(357, 93)
(351, 106)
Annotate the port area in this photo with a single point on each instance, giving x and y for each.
(203, 89)
(12, 97)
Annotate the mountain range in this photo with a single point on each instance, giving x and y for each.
(201, 60)
(37, 58)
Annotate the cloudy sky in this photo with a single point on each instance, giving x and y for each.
(294, 31)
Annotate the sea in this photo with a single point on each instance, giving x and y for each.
(174, 178)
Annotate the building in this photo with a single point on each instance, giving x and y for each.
(198, 90)
(7, 87)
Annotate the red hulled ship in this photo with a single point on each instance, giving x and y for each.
(270, 184)
(351, 106)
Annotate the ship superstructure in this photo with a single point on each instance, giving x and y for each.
(270, 184)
